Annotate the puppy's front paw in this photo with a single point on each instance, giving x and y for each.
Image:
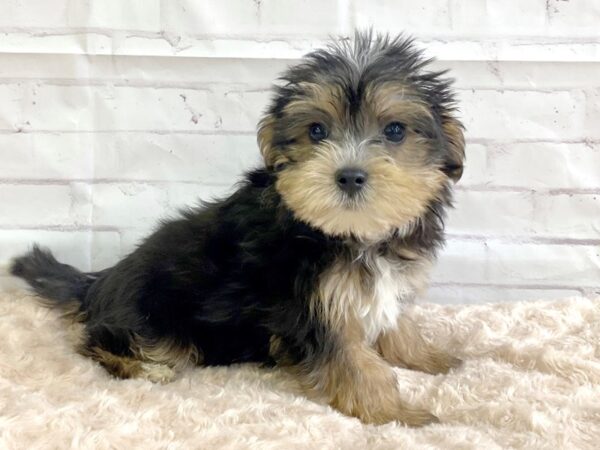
(452, 362)
(414, 417)
(434, 362)
(381, 403)
(405, 347)
(399, 412)
(440, 362)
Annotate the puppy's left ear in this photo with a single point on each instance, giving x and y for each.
(266, 130)
(454, 146)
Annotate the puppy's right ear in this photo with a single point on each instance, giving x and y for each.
(266, 131)
(455, 147)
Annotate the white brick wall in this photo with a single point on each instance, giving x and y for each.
(115, 113)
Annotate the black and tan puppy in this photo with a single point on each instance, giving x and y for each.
(311, 261)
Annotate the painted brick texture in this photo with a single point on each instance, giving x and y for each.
(115, 114)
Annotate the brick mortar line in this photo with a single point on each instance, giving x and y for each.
(238, 87)
(528, 190)
(493, 141)
(479, 189)
(120, 82)
(524, 239)
(516, 39)
(253, 88)
(590, 142)
(290, 59)
(488, 53)
(69, 228)
(442, 284)
(66, 182)
(206, 132)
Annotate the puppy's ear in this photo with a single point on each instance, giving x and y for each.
(455, 147)
(266, 130)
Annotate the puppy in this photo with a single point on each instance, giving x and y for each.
(311, 261)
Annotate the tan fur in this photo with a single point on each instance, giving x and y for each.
(394, 196)
(70, 310)
(393, 101)
(453, 130)
(321, 101)
(357, 382)
(158, 362)
(405, 347)
(168, 352)
(401, 181)
(265, 139)
(128, 367)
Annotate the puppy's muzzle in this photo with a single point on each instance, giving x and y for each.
(351, 180)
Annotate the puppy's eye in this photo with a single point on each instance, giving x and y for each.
(394, 132)
(317, 132)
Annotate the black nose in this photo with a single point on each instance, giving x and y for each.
(351, 180)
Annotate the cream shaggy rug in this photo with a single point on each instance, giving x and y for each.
(531, 379)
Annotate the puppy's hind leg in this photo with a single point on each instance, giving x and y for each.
(158, 360)
(158, 355)
(122, 366)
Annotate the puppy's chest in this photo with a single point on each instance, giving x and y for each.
(373, 291)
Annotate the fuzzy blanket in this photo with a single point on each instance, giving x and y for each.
(531, 379)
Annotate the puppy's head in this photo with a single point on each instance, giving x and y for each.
(362, 138)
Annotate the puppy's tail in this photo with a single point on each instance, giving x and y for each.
(59, 284)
